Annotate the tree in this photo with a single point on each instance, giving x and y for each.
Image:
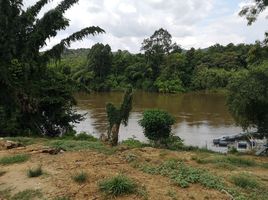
(157, 124)
(158, 45)
(34, 98)
(100, 60)
(116, 116)
(248, 98)
(252, 11)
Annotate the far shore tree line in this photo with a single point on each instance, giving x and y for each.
(162, 66)
(37, 88)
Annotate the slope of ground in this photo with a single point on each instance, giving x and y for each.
(140, 164)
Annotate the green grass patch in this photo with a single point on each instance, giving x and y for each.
(19, 158)
(80, 177)
(184, 175)
(73, 145)
(85, 137)
(225, 166)
(118, 186)
(229, 159)
(23, 140)
(27, 195)
(35, 172)
(132, 143)
(245, 181)
(264, 165)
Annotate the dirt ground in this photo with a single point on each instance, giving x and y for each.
(58, 170)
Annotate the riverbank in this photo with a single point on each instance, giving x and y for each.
(158, 173)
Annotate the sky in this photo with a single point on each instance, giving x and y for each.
(192, 23)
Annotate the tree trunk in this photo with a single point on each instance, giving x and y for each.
(114, 134)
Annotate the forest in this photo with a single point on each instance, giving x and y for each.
(161, 66)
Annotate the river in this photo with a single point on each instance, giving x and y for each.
(200, 117)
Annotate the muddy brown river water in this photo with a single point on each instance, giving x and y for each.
(200, 117)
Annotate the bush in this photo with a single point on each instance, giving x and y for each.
(173, 143)
(80, 177)
(156, 124)
(132, 143)
(35, 172)
(245, 181)
(85, 136)
(118, 185)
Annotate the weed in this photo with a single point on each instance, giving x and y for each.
(232, 160)
(245, 181)
(184, 175)
(27, 194)
(131, 157)
(80, 177)
(85, 137)
(35, 172)
(118, 185)
(172, 194)
(225, 166)
(7, 160)
(233, 150)
(132, 143)
(72, 145)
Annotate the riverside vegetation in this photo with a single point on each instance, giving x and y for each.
(37, 88)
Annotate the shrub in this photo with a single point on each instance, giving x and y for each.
(245, 181)
(7, 160)
(132, 143)
(80, 177)
(85, 136)
(157, 124)
(35, 172)
(173, 142)
(118, 185)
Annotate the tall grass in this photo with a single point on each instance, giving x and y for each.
(19, 158)
(80, 177)
(118, 185)
(245, 181)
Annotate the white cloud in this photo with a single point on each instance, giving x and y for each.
(192, 23)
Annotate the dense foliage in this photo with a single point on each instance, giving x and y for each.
(248, 98)
(157, 124)
(248, 90)
(35, 98)
(163, 67)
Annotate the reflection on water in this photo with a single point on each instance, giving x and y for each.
(200, 117)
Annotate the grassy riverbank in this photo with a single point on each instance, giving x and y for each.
(89, 169)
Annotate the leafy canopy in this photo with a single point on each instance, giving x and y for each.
(248, 98)
(35, 98)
